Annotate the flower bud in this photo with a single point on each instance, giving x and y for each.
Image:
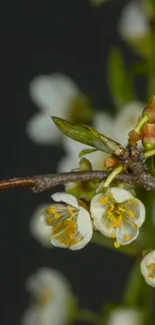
(148, 136)
(149, 110)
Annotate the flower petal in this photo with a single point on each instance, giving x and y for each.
(126, 120)
(120, 194)
(85, 229)
(138, 209)
(67, 163)
(104, 225)
(126, 233)
(146, 261)
(41, 130)
(39, 229)
(97, 209)
(134, 21)
(53, 93)
(65, 197)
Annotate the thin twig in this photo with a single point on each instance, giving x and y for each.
(41, 183)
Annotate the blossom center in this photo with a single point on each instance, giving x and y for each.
(151, 270)
(45, 297)
(117, 212)
(63, 220)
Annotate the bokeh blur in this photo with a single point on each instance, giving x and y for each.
(84, 61)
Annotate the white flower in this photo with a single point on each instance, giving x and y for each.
(70, 223)
(148, 268)
(126, 120)
(39, 230)
(134, 21)
(103, 123)
(51, 293)
(125, 316)
(53, 94)
(117, 214)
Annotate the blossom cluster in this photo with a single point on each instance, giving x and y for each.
(70, 222)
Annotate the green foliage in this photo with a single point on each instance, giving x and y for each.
(88, 136)
(119, 79)
(86, 152)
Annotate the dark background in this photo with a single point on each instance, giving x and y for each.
(71, 37)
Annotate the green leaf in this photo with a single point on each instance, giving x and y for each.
(88, 136)
(119, 80)
(85, 164)
(86, 152)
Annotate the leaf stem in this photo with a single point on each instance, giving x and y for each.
(149, 153)
(142, 121)
(114, 173)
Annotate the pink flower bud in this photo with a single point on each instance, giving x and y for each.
(149, 110)
(148, 136)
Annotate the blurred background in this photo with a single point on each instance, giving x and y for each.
(73, 59)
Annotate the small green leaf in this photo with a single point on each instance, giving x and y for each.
(120, 81)
(86, 152)
(85, 164)
(88, 136)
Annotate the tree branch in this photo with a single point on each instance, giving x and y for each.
(41, 183)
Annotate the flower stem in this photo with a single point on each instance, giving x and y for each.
(88, 316)
(142, 121)
(114, 173)
(149, 153)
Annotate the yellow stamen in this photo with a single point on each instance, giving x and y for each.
(113, 235)
(127, 237)
(151, 269)
(117, 244)
(51, 210)
(104, 199)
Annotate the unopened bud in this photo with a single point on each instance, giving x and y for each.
(148, 136)
(149, 110)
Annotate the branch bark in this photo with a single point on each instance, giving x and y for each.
(41, 183)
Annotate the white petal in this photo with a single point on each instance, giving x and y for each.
(104, 225)
(126, 120)
(47, 278)
(103, 123)
(73, 147)
(97, 159)
(67, 163)
(97, 209)
(125, 316)
(126, 233)
(147, 260)
(29, 317)
(139, 212)
(65, 197)
(38, 229)
(85, 229)
(120, 194)
(53, 93)
(41, 129)
(134, 21)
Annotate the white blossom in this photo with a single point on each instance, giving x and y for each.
(53, 94)
(134, 21)
(104, 124)
(126, 120)
(148, 268)
(51, 293)
(70, 223)
(39, 230)
(117, 214)
(125, 316)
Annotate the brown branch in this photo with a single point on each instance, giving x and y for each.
(43, 182)
(17, 182)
